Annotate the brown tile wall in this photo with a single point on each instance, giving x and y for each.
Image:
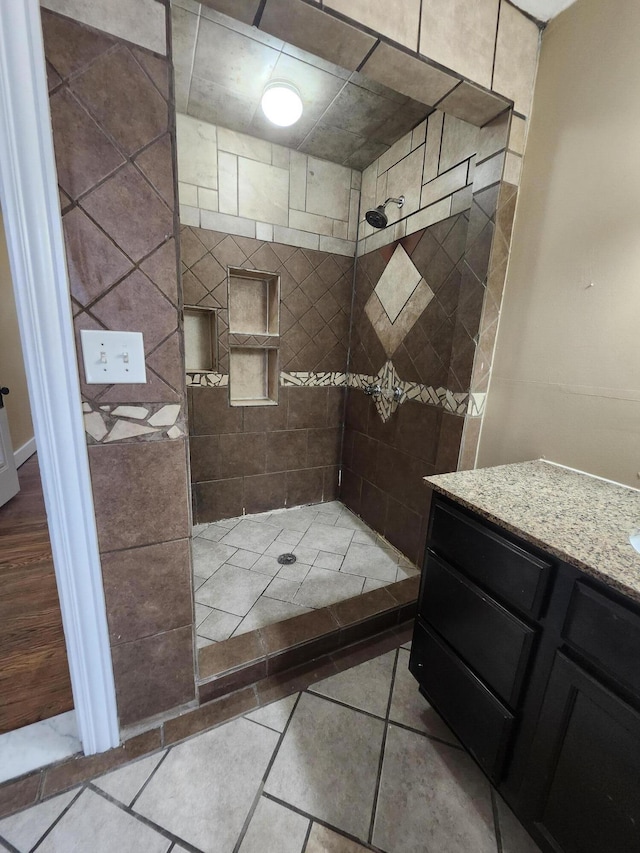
(113, 129)
(384, 463)
(258, 458)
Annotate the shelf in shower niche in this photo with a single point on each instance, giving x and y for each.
(254, 302)
(200, 338)
(253, 376)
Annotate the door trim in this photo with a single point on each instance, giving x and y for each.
(29, 195)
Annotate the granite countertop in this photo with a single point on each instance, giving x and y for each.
(578, 518)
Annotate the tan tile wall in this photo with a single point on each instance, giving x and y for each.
(248, 187)
(142, 23)
(112, 128)
(433, 167)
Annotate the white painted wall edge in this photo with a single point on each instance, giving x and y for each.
(588, 474)
(29, 196)
(24, 452)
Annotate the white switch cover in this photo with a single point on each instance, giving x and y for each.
(113, 357)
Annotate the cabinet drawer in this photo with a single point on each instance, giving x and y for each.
(606, 632)
(481, 722)
(495, 644)
(503, 568)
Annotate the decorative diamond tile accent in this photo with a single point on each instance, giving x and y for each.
(397, 283)
(398, 300)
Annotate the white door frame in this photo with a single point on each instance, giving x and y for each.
(29, 195)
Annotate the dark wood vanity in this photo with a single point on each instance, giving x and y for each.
(535, 665)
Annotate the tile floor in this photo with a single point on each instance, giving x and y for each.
(357, 762)
(240, 586)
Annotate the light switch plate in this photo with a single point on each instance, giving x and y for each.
(113, 357)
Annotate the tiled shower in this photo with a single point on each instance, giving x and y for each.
(379, 364)
(408, 314)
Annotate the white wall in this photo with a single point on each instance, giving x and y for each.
(232, 182)
(566, 376)
(12, 372)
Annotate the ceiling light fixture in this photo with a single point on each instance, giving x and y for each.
(282, 104)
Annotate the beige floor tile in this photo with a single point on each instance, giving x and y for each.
(267, 611)
(410, 708)
(201, 612)
(218, 625)
(514, 837)
(282, 589)
(273, 827)
(24, 829)
(324, 537)
(306, 555)
(209, 556)
(371, 583)
(233, 590)
(370, 562)
(204, 789)
(323, 840)
(327, 764)
(276, 715)
(325, 560)
(432, 797)
(213, 532)
(294, 519)
(251, 536)
(365, 687)
(322, 587)
(295, 572)
(92, 823)
(350, 521)
(243, 559)
(267, 564)
(125, 783)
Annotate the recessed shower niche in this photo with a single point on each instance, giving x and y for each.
(254, 325)
(200, 338)
(254, 300)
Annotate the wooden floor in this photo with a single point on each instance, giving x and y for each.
(34, 674)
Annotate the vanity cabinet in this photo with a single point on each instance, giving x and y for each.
(536, 668)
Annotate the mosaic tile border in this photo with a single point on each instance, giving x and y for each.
(456, 402)
(133, 422)
(297, 379)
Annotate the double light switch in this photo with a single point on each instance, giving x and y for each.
(113, 357)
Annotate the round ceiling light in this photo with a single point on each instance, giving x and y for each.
(282, 104)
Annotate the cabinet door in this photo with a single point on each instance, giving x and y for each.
(584, 780)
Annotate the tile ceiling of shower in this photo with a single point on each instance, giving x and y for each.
(223, 65)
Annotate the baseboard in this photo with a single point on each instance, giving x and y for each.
(23, 453)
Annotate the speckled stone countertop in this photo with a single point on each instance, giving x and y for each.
(582, 520)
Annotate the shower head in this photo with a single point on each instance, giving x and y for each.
(377, 217)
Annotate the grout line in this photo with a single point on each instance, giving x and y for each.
(495, 45)
(321, 822)
(306, 838)
(249, 817)
(496, 820)
(382, 749)
(151, 775)
(9, 846)
(369, 714)
(176, 839)
(58, 819)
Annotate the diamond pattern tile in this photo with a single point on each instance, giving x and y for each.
(315, 294)
(111, 106)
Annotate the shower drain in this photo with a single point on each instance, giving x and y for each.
(287, 559)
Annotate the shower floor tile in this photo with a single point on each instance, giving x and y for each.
(337, 557)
